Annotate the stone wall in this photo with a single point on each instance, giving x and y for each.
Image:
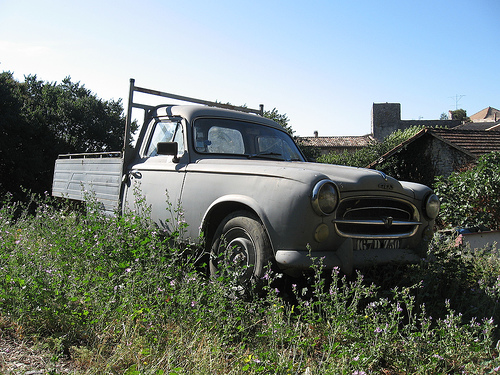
(424, 159)
(386, 119)
(445, 158)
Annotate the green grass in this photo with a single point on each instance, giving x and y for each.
(120, 297)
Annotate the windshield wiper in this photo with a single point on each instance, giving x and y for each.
(266, 155)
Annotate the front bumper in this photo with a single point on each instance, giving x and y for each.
(294, 261)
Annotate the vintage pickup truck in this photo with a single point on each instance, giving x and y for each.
(240, 179)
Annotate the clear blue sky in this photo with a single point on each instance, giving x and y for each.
(323, 63)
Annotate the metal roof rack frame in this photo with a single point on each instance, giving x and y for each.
(131, 104)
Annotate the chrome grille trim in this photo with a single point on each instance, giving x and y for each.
(376, 218)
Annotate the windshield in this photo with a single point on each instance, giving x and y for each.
(232, 137)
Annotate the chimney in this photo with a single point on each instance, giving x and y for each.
(316, 134)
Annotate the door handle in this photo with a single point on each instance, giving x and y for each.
(131, 174)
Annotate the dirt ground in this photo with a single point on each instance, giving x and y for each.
(18, 357)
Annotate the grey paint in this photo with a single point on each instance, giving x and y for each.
(279, 192)
(78, 177)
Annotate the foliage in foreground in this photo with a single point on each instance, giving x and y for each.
(120, 297)
(471, 198)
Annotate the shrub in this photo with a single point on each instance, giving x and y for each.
(371, 153)
(471, 198)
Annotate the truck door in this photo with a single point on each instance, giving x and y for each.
(155, 181)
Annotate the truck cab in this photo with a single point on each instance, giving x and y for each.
(243, 191)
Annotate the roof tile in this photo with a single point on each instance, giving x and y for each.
(489, 113)
(474, 141)
(339, 141)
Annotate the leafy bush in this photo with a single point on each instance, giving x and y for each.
(371, 153)
(471, 198)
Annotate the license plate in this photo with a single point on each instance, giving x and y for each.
(376, 244)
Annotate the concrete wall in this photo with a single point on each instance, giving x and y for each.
(480, 240)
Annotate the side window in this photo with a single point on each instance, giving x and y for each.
(165, 131)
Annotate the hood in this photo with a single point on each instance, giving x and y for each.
(348, 179)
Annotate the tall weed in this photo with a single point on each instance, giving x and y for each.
(120, 296)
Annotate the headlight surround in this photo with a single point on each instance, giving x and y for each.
(432, 204)
(325, 197)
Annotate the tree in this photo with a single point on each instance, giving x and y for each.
(16, 136)
(281, 119)
(460, 114)
(41, 120)
(74, 115)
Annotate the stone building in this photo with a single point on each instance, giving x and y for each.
(442, 147)
(486, 115)
(437, 152)
(487, 119)
(386, 119)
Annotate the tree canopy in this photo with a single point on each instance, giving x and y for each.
(459, 114)
(281, 119)
(41, 120)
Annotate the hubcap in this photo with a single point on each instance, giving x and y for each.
(237, 252)
(234, 249)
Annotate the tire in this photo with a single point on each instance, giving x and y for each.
(240, 249)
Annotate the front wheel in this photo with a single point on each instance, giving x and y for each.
(241, 248)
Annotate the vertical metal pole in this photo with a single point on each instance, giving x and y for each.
(261, 109)
(128, 119)
(126, 152)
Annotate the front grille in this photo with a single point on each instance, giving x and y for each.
(372, 217)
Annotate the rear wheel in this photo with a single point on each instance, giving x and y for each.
(241, 248)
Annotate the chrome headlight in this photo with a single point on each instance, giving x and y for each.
(432, 206)
(325, 197)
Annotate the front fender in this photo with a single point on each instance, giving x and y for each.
(226, 204)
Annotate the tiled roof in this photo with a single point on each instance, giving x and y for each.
(472, 142)
(340, 141)
(476, 142)
(487, 125)
(491, 114)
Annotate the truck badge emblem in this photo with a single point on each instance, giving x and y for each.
(388, 221)
(386, 186)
